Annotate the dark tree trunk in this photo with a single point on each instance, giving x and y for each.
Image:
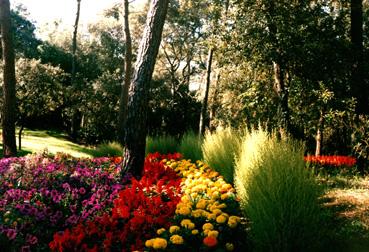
(76, 116)
(359, 86)
(136, 122)
(282, 92)
(123, 102)
(204, 116)
(8, 112)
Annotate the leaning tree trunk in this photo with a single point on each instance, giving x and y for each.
(8, 112)
(204, 116)
(76, 117)
(136, 122)
(123, 102)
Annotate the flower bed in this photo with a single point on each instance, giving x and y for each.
(67, 204)
(332, 164)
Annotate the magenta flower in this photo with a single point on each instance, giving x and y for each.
(11, 234)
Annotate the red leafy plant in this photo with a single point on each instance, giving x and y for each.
(331, 160)
(138, 211)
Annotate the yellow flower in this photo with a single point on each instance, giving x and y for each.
(160, 231)
(212, 216)
(232, 224)
(187, 224)
(208, 226)
(149, 243)
(176, 239)
(229, 246)
(213, 233)
(174, 229)
(221, 219)
(159, 243)
(201, 204)
(216, 211)
(234, 218)
(197, 213)
(195, 232)
(224, 196)
(184, 210)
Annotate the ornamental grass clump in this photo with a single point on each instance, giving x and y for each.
(163, 144)
(278, 195)
(110, 149)
(219, 149)
(190, 146)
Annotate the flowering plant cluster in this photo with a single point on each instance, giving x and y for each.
(331, 160)
(206, 217)
(40, 194)
(138, 211)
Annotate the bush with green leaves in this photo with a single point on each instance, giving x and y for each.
(163, 144)
(190, 146)
(278, 194)
(219, 150)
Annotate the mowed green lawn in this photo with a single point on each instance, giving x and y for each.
(52, 142)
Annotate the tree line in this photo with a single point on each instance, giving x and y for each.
(298, 67)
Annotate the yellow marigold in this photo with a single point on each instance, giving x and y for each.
(208, 226)
(212, 216)
(232, 223)
(229, 246)
(187, 224)
(216, 211)
(174, 229)
(159, 243)
(221, 206)
(197, 213)
(149, 243)
(176, 239)
(234, 218)
(184, 210)
(195, 232)
(201, 204)
(213, 233)
(221, 219)
(224, 196)
(160, 231)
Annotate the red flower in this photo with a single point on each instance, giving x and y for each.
(210, 241)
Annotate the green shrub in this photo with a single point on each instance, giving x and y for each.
(219, 149)
(278, 194)
(110, 149)
(162, 144)
(190, 146)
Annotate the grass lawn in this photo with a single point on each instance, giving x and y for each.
(52, 141)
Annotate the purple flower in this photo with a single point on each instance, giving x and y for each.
(31, 239)
(11, 234)
(26, 248)
(82, 190)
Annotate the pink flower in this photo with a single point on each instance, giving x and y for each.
(11, 234)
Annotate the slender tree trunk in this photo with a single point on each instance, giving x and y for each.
(214, 103)
(281, 90)
(76, 117)
(8, 112)
(204, 116)
(358, 83)
(123, 102)
(136, 122)
(319, 134)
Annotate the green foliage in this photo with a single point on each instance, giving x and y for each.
(278, 194)
(163, 144)
(190, 146)
(110, 149)
(219, 150)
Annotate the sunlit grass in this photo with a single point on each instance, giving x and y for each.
(35, 141)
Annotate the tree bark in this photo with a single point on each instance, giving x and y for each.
(123, 102)
(76, 117)
(319, 134)
(8, 112)
(204, 116)
(214, 105)
(136, 122)
(282, 92)
(359, 86)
